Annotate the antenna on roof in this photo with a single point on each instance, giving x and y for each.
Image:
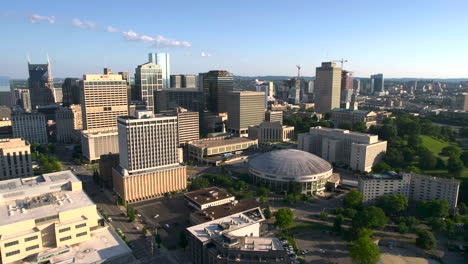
(29, 60)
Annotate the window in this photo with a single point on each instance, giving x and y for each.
(12, 253)
(80, 225)
(46, 219)
(30, 238)
(32, 247)
(81, 234)
(12, 243)
(64, 229)
(65, 238)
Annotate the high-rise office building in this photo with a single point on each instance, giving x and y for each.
(327, 87)
(183, 81)
(188, 126)
(163, 60)
(216, 85)
(15, 159)
(107, 71)
(69, 122)
(41, 84)
(30, 126)
(104, 99)
(149, 158)
(148, 79)
(23, 98)
(346, 80)
(378, 82)
(5, 84)
(71, 91)
(169, 99)
(99, 141)
(245, 108)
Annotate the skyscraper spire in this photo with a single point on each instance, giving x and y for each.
(29, 60)
(48, 59)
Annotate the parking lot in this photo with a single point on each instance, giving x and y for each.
(168, 216)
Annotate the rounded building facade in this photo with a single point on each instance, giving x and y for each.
(278, 168)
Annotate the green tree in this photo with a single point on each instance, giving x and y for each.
(353, 199)
(386, 132)
(183, 243)
(291, 198)
(440, 164)
(434, 208)
(295, 187)
(364, 250)
(263, 191)
(337, 223)
(345, 125)
(381, 167)
(371, 217)
(360, 126)
(267, 212)
(455, 165)
(130, 213)
(350, 212)
(450, 151)
(437, 225)
(394, 157)
(427, 160)
(323, 216)
(463, 132)
(199, 183)
(393, 204)
(464, 158)
(425, 239)
(51, 148)
(327, 116)
(284, 218)
(402, 228)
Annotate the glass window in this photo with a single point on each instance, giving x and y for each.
(80, 225)
(32, 247)
(81, 234)
(12, 243)
(12, 253)
(64, 229)
(30, 238)
(65, 238)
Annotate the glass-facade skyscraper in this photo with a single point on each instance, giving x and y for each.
(148, 79)
(163, 60)
(378, 80)
(41, 84)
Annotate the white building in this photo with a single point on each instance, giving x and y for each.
(359, 151)
(271, 132)
(100, 141)
(30, 126)
(15, 159)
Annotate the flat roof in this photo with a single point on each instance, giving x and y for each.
(212, 143)
(9, 143)
(39, 196)
(260, 244)
(206, 231)
(224, 210)
(207, 195)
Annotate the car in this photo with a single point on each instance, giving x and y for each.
(321, 251)
(138, 215)
(156, 216)
(137, 228)
(109, 219)
(166, 226)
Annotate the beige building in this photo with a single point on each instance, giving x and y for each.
(15, 159)
(271, 132)
(327, 87)
(215, 150)
(341, 115)
(148, 79)
(415, 187)
(245, 108)
(208, 197)
(359, 151)
(69, 122)
(274, 116)
(97, 142)
(30, 126)
(461, 101)
(188, 126)
(104, 98)
(149, 158)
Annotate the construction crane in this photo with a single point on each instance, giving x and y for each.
(298, 71)
(342, 61)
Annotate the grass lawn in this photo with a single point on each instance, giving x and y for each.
(435, 145)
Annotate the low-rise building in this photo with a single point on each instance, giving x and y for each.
(359, 151)
(15, 159)
(208, 197)
(220, 211)
(214, 150)
(415, 187)
(99, 141)
(234, 239)
(271, 132)
(41, 217)
(341, 115)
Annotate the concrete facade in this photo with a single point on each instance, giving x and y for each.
(97, 142)
(30, 126)
(340, 115)
(244, 109)
(204, 150)
(274, 116)
(69, 122)
(188, 126)
(271, 132)
(148, 79)
(327, 87)
(15, 159)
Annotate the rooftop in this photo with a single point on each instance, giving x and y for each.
(207, 231)
(207, 195)
(250, 243)
(219, 142)
(389, 175)
(9, 143)
(39, 196)
(353, 111)
(224, 210)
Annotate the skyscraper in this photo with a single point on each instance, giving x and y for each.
(148, 79)
(163, 60)
(104, 99)
(216, 85)
(327, 87)
(346, 88)
(23, 98)
(245, 108)
(378, 82)
(183, 81)
(30, 126)
(149, 159)
(71, 91)
(41, 84)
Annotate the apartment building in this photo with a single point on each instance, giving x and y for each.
(15, 159)
(359, 151)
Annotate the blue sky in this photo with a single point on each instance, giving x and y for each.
(412, 38)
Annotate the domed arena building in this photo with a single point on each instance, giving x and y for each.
(278, 168)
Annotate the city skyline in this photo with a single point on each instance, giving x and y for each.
(400, 39)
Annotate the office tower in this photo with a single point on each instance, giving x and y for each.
(357, 86)
(44, 216)
(183, 81)
(104, 99)
(58, 95)
(244, 109)
(274, 116)
(149, 159)
(148, 79)
(30, 126)
(69, 122)
(216, 85)
(169, 99)
(378, 82)
(107, 71)
(41, 84)
(71, 91)
(6, 95)
(130, 91)
(99, 141)
(15, 159)
(346, 80)
(461, 101)
(163, 60)
(125, 76)
(23, 98)
(327, 87)
(188, 126)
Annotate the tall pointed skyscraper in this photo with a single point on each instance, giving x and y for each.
(41, 84)
(163, 60)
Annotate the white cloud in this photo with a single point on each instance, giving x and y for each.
(35, 19)
(205, 54)
(83, 24)
(158, 41)
(112, 29)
